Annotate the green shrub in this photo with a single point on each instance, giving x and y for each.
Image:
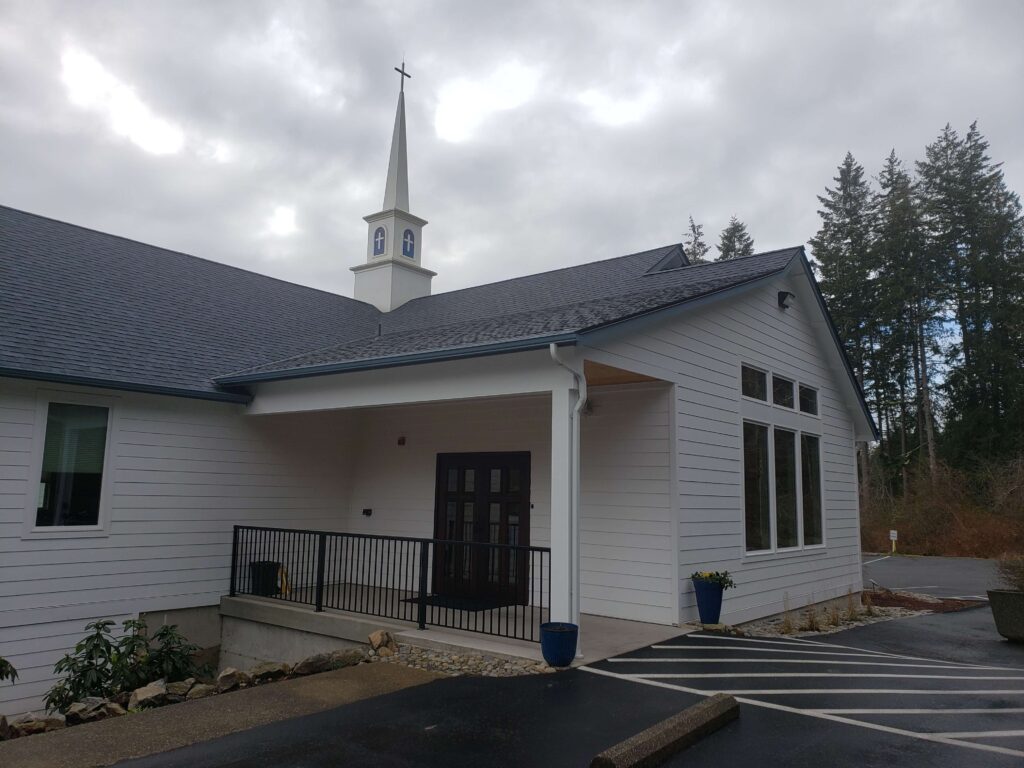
(102, 665)
(7, 670)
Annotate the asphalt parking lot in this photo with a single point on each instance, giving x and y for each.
(874, 704)
(954, 577)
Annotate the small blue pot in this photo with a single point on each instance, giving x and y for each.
(709, 600)
(558, 642)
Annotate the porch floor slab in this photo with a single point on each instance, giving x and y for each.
(600, 636)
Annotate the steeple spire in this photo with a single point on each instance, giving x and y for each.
(394, 273)
(396, 193)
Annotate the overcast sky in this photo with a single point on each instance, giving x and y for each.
(541, 134)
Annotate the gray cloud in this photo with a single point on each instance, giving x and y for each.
(729, 109)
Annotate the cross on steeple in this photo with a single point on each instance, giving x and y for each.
(404, 75)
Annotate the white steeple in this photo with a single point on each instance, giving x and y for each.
(396, 192)
(393, 274)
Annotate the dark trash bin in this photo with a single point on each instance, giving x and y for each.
(263, 577)
(558, 641)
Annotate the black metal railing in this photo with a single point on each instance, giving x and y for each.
(495, 589)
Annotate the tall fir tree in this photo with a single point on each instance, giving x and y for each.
(976, 235)
(842, 250)
(695, 246)
(735, 242)
(908, 312)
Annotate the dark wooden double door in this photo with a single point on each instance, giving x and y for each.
(482, 498)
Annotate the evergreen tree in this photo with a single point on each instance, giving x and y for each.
(908, 311)
(735, 242)
(977, 239)
(842, 249)
(695, 246)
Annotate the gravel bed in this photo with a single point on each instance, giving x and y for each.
(455, 664)
(775, 626)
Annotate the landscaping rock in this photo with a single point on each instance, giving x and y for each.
(311, 665)
(152, 695)
(201, 691)
(178, 691)
(347, 658)
(269, 671)
(121, 699)
(86, 710)
(232, 678)
(31, 723)
(5, 729)
(382, 639)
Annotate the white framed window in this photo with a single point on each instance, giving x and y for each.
(808, 400)
(754, 383)
(782, 489)
(70, 481)
(782, 391)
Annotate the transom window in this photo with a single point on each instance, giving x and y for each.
(72, 473)
(808, 400)
(782, 391)
(754, 383)
(781, 488)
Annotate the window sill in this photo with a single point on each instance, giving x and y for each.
(66, 532)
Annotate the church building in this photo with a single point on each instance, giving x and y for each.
(203, 445)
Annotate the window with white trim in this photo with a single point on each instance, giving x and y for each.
(808, 400)
(781, 488)
(71, 478)
(754, 383)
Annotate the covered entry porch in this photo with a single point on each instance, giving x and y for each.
(482, 495)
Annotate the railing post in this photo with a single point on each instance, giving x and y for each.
(421, 617)
(234, 562)
(321, 559)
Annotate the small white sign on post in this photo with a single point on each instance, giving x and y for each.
(893, 535)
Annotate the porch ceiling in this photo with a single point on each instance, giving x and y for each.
(599, 374)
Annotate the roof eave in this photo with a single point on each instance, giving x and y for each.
(436, 356)
(241, 398)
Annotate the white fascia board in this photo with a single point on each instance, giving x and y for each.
(514, 373)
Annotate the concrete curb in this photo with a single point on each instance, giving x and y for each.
(674, 734)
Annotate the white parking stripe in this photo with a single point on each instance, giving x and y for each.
(844, 691)
(821, 715)
(806, 646)
(948, 711)
(980, 734)
(818, 643)
(876, 560)
(717, 660)
(887, 675)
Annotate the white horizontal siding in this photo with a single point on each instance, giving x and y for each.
(626, 519)
(701, 351)
(181, 473)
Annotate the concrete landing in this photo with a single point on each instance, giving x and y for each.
(310, 632)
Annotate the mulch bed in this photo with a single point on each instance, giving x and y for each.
(886, 598)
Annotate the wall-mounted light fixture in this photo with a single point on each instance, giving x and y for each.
(784, 299)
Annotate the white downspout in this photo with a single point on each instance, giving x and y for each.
(574, 493)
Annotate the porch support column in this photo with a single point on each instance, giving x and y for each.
(564, 436)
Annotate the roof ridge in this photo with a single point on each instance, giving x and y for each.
(546, 272)
(757, 255)
(181, 253)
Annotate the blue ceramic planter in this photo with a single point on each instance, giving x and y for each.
(558, 642)
(709, 600)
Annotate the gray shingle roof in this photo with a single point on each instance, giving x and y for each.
(83, 305)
